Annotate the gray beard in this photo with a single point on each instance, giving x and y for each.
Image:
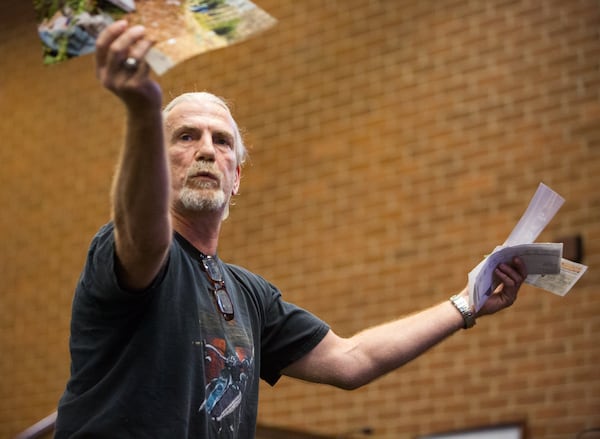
(202, 200)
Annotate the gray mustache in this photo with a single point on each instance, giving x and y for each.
(201, 167)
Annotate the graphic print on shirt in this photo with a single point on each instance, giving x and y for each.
(227, 369)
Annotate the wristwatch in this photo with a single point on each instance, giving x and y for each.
(462, 305)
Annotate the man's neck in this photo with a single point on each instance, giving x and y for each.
(201, 229)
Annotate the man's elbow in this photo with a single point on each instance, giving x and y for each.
(350, 385)
(352, 378)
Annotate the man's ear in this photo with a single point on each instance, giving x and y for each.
(236, 183)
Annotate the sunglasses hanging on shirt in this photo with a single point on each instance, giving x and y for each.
(213, 272)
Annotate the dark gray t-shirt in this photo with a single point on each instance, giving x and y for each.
(165, 363)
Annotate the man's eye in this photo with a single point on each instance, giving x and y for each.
(185, 137)
(222, 140)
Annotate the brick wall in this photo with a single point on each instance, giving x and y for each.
(393, 144)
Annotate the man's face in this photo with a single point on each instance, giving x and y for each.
(200, 140)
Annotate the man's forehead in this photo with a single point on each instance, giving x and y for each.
(200, 111)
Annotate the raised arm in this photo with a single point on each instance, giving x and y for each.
(141, 187)
(352, 362)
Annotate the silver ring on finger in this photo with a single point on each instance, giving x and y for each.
(131, 64)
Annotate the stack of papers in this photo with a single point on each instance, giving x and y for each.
(546, 267)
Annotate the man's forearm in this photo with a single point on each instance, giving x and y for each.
(384, 348)
(141, 186)
(352, 362)
(141, 196)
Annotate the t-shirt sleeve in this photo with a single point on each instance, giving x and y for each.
(289, 333)
(99, 277)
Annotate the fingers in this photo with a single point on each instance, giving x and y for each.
(512, 275)
(520, 266)
(140, 49)
(117, 43)
(129, 43)
(129, 80)
(105, 39)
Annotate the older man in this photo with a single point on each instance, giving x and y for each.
(168, 340)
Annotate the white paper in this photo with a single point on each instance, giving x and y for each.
(538, 258)
(560, 284)
(540, 211)
(126, 5)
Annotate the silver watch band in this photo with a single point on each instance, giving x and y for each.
(462, 305)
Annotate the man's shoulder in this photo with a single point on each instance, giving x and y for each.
(103, 234)
(242, 273)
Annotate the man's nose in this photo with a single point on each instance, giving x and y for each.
(205, 149)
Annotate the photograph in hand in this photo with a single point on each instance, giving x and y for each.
(180, 29)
